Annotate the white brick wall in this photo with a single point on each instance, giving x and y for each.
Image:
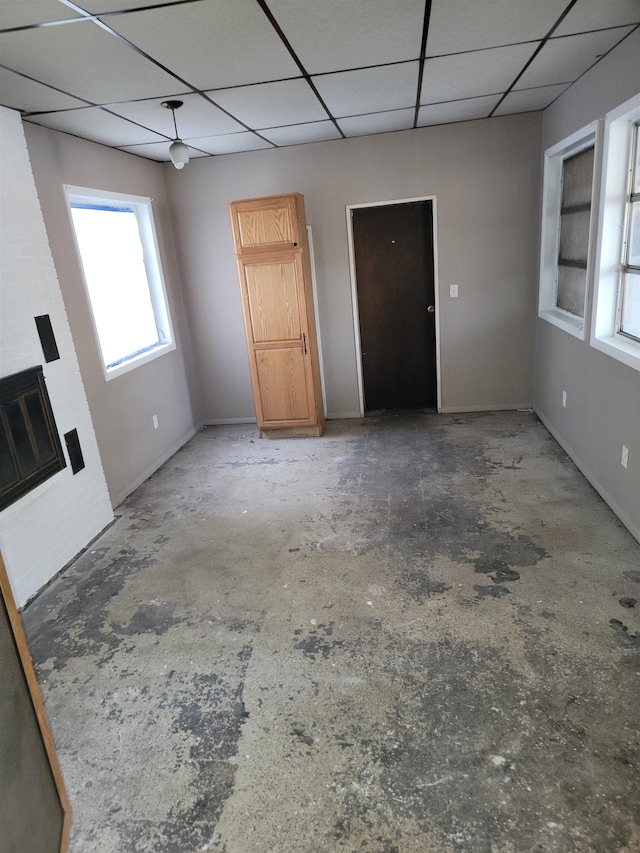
(46, 528)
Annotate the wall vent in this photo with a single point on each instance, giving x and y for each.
(47, 338)
(74, 451)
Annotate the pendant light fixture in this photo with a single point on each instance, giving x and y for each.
(178, 151)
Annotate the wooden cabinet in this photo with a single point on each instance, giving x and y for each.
(274, 272)
(267, 224)
(34, 809)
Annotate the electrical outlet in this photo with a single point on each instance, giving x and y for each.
(453, 291)
(564, 399)
(624, 461)
(155, 422)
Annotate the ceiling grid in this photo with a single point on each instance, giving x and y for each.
(270, 73)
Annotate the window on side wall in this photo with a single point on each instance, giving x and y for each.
(118, 250)
(629, 307)
(616, 321)
(566, 239)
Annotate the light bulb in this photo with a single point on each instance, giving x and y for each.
(179, 154)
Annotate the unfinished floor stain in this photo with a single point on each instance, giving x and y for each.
(412, 635)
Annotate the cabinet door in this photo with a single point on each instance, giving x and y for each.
(34, 810)
(276, 324)
(269, 224)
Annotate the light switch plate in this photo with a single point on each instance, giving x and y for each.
(453, 291)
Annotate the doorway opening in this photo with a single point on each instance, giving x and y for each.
(392, 247)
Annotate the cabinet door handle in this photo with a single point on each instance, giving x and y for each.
(304, 343)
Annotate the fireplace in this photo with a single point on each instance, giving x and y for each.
(30, 448)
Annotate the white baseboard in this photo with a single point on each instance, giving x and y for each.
(228, 421)
(633, 529)
(449, 410)
(495, 407)
(153, 468)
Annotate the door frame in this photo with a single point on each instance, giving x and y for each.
(354, 289)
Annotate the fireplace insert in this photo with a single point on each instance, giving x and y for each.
(30, 448)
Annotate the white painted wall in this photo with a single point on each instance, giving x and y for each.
(46, 528)
(603, 395)
(123, 408)
(486, 178)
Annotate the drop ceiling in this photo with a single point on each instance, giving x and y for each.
(268, 73)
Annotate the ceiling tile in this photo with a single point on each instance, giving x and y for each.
(563, 60)
(22, 13)
(297, 134)
(83, 60)
(527, 100)
(333, 35)
(196, 117)
(97, 6)
(231, 143)
(595, 15)
(369, 90)
(151, 151)
(210, 45)
(378, 122)
(460, 25)
(271, 104)
(95, 124)
(157, 151)
(195, 154)
(465, 75)
(24, 94)
(361, 54)
(452, 111)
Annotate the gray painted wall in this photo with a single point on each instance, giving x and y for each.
(122, 409)
(603, 395)
(485, 176)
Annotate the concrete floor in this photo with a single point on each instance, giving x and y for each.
(417, 634)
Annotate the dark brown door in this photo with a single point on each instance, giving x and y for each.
(395, 282)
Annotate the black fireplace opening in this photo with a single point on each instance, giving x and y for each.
(30, 448)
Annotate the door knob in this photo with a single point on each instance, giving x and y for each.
(431, 309)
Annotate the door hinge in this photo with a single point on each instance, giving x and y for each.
(304, 343)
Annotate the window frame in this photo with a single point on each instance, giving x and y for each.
(619, 129)
(554, 158)
(142, 207)
(633, 197)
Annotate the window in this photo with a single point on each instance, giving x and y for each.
(630, 286)
(616, 319)
(565, 263)
(117, 245)
(575, 217)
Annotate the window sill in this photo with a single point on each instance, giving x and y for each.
(138, 361)
(563, 320)
(619, 348)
